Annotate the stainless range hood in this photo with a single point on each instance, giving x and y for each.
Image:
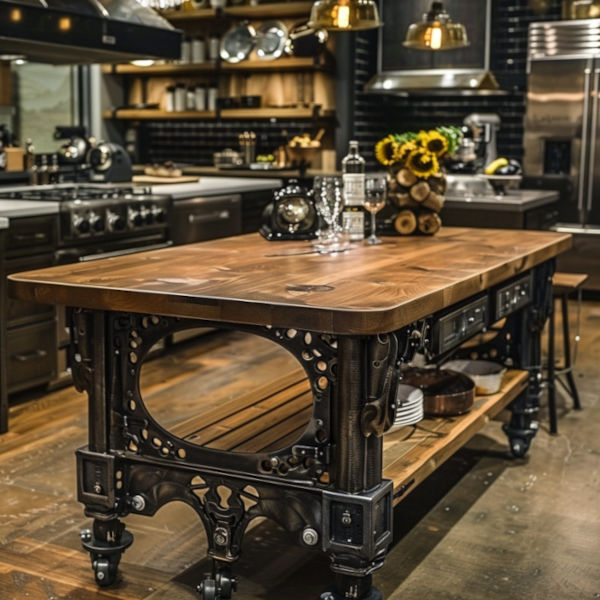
(84, 31)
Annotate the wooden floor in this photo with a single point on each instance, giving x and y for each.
(484, 526)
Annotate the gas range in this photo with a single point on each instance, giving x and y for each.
(101, 213)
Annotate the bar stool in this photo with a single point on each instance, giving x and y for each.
(563, 285)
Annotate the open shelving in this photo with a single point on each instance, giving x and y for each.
(245, 11)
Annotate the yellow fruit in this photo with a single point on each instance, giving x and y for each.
(495, 165)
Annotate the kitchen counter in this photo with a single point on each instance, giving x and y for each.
(514, 201)
(27, 208)
(246, 173)
(216, 186)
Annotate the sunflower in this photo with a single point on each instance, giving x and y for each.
(386, 150)
(422, 163)
(405, 151)
(436, 143)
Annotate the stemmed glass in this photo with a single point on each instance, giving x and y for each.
(329, 202)
(375, 197)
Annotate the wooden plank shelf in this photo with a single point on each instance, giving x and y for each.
(409, 458)
(262, 11)
(147, 114)
(276, 414)
(281, 64)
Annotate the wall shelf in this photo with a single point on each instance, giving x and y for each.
(280, 64)
(232, 113)
(262, 11)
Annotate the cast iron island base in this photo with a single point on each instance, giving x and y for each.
(351, 321)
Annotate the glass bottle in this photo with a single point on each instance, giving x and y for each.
(353, 217)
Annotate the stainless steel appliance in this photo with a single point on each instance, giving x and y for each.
(562, 130)
(85, 31)
(94, 222)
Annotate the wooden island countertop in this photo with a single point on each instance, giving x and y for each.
(245, 279)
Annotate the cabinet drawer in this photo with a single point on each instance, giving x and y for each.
(31, 235)
(19, 312)
(30, 355)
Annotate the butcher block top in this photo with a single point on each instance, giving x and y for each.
(245, 279)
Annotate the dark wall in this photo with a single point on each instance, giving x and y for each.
(376, 115)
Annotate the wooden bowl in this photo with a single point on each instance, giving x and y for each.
(302, 154)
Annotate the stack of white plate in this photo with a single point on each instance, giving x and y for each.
(409, 407)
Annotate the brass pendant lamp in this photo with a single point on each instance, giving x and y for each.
(344, 15)
(436, 31)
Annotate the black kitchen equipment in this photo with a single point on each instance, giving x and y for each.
(306, 41)
(250, 101)
(110, 163)
(75, 150)
(291, 215)
(226, 102)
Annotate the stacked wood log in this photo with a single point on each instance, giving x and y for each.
(419, 201)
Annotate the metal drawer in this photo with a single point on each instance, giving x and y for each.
(31, 235)
(30, 356)
(19, 312)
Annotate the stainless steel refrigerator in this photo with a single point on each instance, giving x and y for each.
(562, 130)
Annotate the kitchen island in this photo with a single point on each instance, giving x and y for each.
(349, 320)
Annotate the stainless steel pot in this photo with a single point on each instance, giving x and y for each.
(486, 375)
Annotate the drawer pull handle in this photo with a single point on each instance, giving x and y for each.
(222, 215)
(30, 237)
(29, 356)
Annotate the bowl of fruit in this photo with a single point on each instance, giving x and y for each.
(504, 175)
(302, 149)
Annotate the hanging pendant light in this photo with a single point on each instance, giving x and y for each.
(436, 31)
(344, 15)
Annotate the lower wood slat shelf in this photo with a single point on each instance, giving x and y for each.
(276, 413)
(407, 461)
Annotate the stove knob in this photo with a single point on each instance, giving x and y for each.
(81, 225)
(160, 214)
(135, 216)
(97, 223)
(148, 216)
(116, 222)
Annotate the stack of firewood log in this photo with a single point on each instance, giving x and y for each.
(419, 201)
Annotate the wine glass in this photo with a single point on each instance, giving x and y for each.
(375, 197)
(329, 201)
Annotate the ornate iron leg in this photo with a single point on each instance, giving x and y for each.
(527, 326)
(358, 515)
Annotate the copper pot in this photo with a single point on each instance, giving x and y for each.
(447, 393)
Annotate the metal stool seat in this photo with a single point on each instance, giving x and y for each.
(563, 285)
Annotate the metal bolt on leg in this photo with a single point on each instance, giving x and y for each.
(138, 503)
(310, 537)
(221, 536)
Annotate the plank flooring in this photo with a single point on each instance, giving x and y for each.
(482, 526)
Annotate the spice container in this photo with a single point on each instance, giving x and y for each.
(190, 98)
(170, 99)
(198, 50)
(214, 47)
(211, 97)
(200, 95)
(179, 97)
(186, 51)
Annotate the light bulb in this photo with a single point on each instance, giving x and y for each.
(342, 18)
(434, 37)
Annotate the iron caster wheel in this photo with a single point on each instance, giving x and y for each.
(104, 572)
(208, 589)
(518, 447)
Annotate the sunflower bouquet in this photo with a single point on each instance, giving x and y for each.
(417, 182)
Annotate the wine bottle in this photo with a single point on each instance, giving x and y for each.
(353, 217)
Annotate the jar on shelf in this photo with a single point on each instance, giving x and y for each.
(190, 98)
(179, 97)
(198, 50)
(211, 97)
(186, 51)
(214, 47)
(170, 99)
(200, 94)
